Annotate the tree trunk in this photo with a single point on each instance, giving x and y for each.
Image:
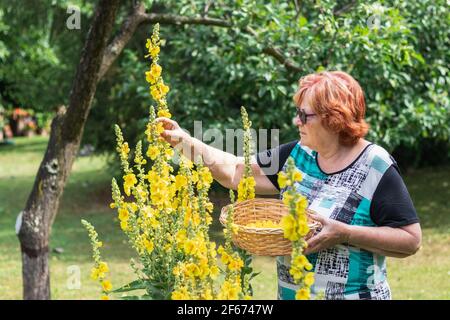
(36, 219)
(67, 129)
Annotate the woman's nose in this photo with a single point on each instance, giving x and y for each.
(296, 121)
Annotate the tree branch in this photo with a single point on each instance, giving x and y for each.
(180, 20)
(138, 17)
(278, 55)
(297, 8)
(346, 8)
(124, 35)
(206, 9)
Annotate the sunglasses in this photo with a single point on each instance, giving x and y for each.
(303, 116)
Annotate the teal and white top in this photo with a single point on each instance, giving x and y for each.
(369, 192)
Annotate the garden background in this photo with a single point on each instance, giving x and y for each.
(219, 55)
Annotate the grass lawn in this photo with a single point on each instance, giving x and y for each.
(425, 275)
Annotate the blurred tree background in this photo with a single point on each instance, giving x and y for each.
(397, 50)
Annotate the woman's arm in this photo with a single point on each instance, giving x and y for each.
(225, 167)
(398, 242)
(394, 242)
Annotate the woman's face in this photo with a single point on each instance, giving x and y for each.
(312, 134)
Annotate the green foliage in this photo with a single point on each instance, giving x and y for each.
(397, 50)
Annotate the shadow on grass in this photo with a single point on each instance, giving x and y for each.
(430, 191)
(35, 144)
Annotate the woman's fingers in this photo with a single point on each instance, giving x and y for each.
(319, 218)
(313, 243)
(172, 134)
(168, 124)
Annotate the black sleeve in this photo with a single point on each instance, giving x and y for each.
(391, 203)
(272, 161)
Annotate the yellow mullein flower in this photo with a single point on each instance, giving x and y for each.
(264, 224)
(103, 267)
(169, 153)
(302, 294)
(106, 285)
(296, 273)
(154, 51)
(234, 228)
(124, 225)
(181, 236)
(148, 245)
(164, 113)
(295, 227)
(140, 190)
(194, 176)
(205, 175)
(132, 207)
(300, 261)
(229, 291)
(192, 270)
(283, 180)
(209, 207)
(308, 266)
(129, 181)
(164, 89)
(287, 198)
(309, 279)
(180, 294)
(159, 128)
(156, 94)
(207, 295)
(189, 247)
(123, 214)
(149, 77)
(104, 297)
(151, 176)
(125, 149)
(196, 220)
(214, 272)
(160, 197)
(303, 229)
(153, 152)
(290, 229)
(225, 258)
(301, 206)
(156, 70)
(297, 176)
(149, 44)
(236, 264)
(176, 271)
(154, 223)
(180, 182)
(94, 273)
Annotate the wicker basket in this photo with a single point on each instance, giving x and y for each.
(262, 241)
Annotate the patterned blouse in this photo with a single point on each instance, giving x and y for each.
(369, 192)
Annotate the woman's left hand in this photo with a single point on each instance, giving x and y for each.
(333, 232)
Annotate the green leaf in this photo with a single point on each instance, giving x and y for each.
(254, 274)
(133, 285)
(144, 297)
(302, 21)
(282, 89)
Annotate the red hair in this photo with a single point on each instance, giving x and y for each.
(338, 100)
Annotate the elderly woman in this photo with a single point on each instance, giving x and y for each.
(353, 185)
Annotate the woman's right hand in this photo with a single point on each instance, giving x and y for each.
(173, 133)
